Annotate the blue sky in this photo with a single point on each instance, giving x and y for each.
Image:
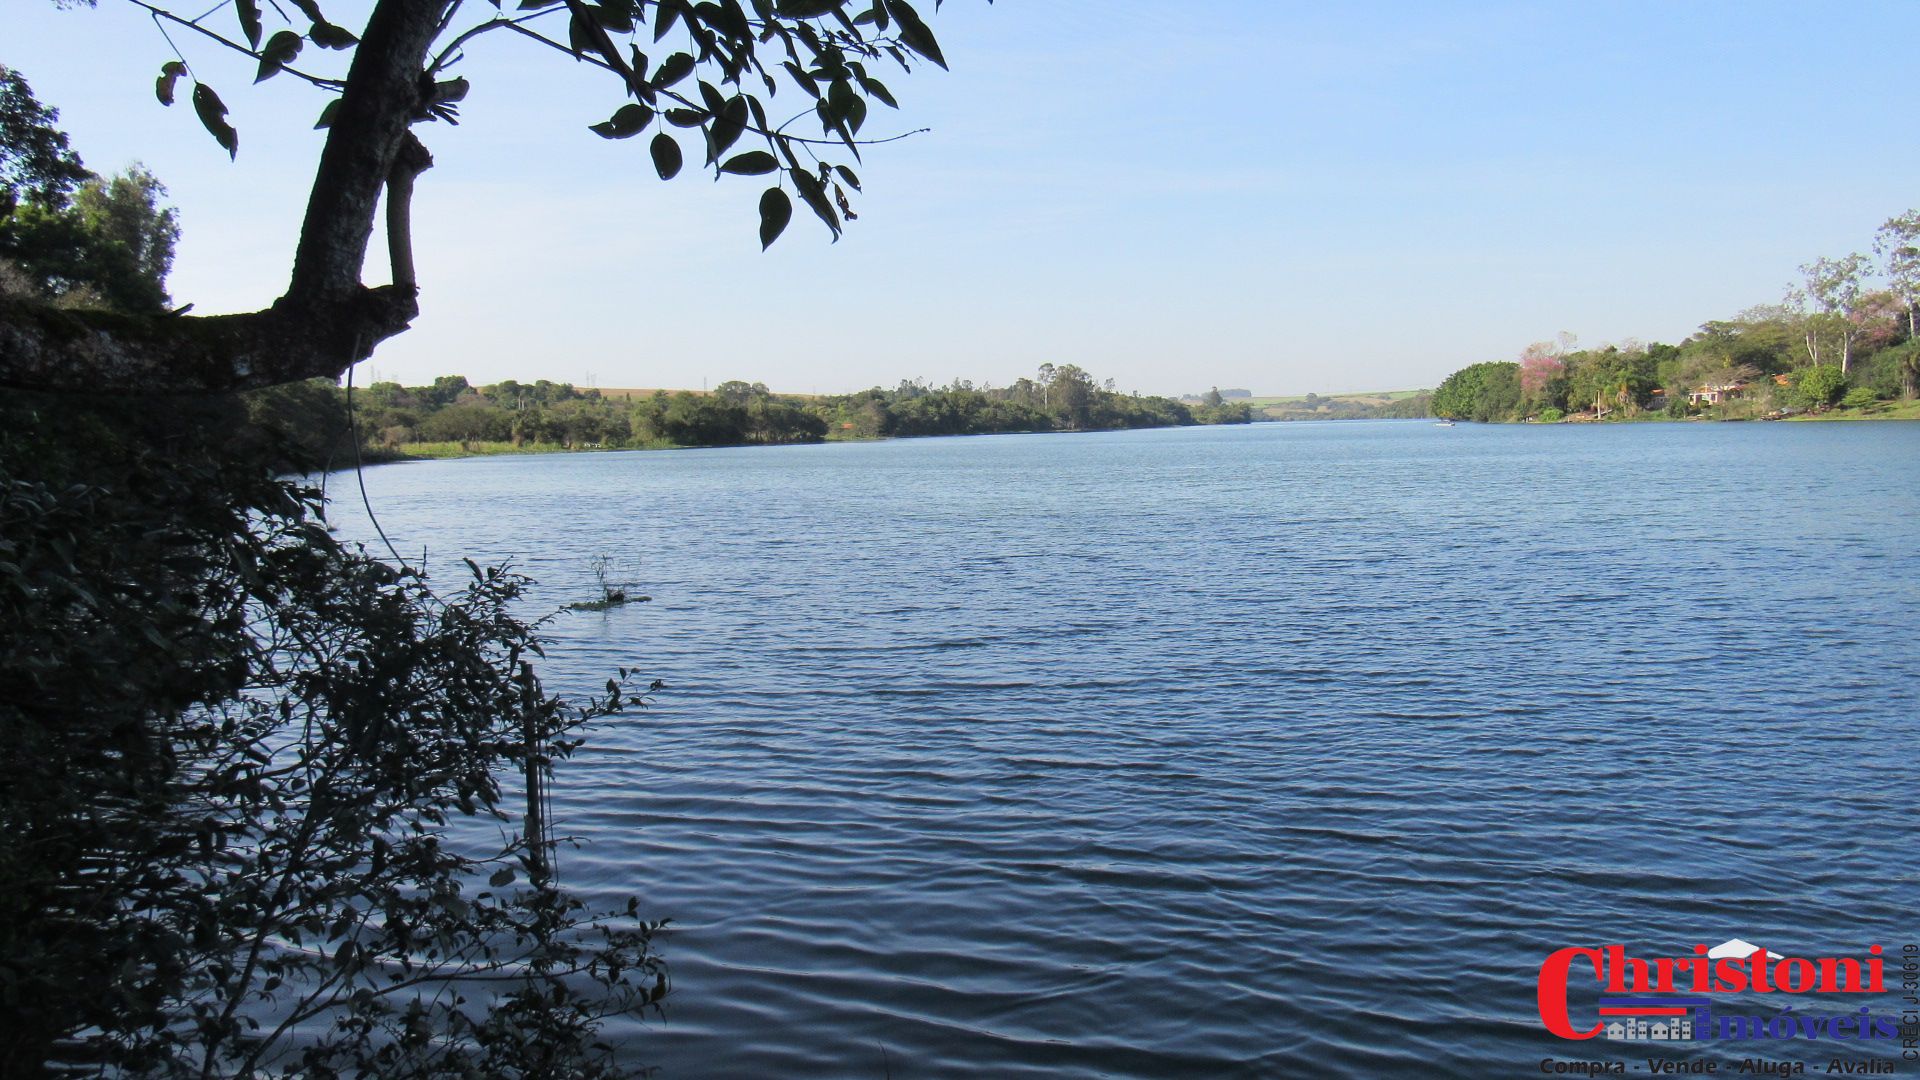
(1286, 197)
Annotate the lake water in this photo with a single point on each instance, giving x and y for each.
(1283, 750)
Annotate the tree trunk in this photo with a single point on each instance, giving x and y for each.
(369, 130)
(328, 320)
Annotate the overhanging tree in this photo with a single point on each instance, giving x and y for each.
(236, 738)
(233, 741)
(724, 64)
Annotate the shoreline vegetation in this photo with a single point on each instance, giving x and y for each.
(1834, 347)
(452, 418)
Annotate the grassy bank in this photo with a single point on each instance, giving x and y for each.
(437, 451)
(1879, 410)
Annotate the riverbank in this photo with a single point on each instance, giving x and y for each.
(452, 451)
(447, 451)
(442, 451)
(1879, 410)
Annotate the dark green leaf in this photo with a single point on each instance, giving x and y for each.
(727, 128)
(666, 156)
(328, 36)
(639, 84)
(213, 116)
(840, 99)
(579, 35)
(310, 9)
(501, 878)
(626, 122)
(281, 50)
(776, 210)
(613, 18)
(249, 12)
(914, 33)
(326, 115)
(733, 19)
(169, 73)
(814, 194)
(751, 163)
(808, 9)
(685, 118)
(664, 21)
(672, 70)
(802, 78)
(879, 90)
(847, 175)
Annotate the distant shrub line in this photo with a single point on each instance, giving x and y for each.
(452, 416)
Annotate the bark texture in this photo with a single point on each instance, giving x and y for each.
(328, 320)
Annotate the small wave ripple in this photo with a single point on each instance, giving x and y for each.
(1260, 753)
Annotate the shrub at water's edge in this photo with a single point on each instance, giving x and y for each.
(232, 743)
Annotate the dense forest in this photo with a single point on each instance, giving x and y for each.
(452, 416)
(1842, 338)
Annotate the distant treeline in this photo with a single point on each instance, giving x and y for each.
(1843, 336)
(453, 416)
(1349, 407)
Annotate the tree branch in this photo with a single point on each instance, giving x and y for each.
(382, 98)
(96, 352)
(193, 24)
(409, 164)
(328, 320)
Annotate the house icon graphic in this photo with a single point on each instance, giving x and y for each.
(1679, 1028)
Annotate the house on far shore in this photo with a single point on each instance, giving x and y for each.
(1657, 401)
(1716, 393)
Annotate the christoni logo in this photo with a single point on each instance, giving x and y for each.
(1731, 968)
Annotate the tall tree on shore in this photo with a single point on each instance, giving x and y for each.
(722, 66)
(109, 247)
(1834, 288)
(1898, 244)
(68, 237)
(36, 163)
(1543, 370)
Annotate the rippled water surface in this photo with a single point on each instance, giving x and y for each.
(1287, 750)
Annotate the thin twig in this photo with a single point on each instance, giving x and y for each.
(448, 55)
(159, 13)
